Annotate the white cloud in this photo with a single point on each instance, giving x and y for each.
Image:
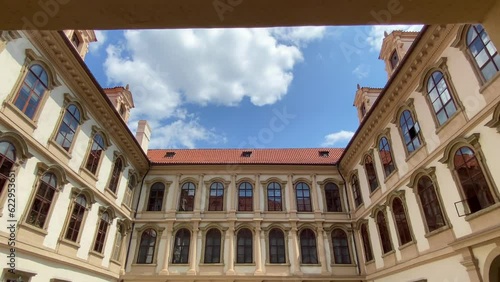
(167, 69)
(361, 71)
(334, 138)
(101, 39)
(376, 33)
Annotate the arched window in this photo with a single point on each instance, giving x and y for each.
(212, 246)
(216, 197)
(244, 252)
(115, 175)
(410, 130)
(340, 247)
(402, 224)
(483, 51)
(95, 153)
(7, 160)
(394, 59)
(181, 247)
(129, 192)
(303, 193)
(308, 250)
(332, 197)
(34, 86)
(147, 247)
(102, 230)
(356, 191)
(430, 204)
(367, 246)
(383, 230)
(274, 197)
(277, 246)
(156, 194)
(44, 196)
(245, 197)
(69, 125)
(475, 188)
(384, 149)
(186, 200)
(370, 173)
(440, 97)
(76, 218)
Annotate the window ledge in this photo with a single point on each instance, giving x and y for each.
(391, 174)
(439, 128)
(244, 264)
(370, 262)
(70, 243)
(30, 227)
(489, 82)
(439, 230)
(12, 108)
(211, 264)
(89, 174)
(343, 265)
(389, 253)
(115, 262)
(358, 207)
(409, 155)
(126, 207)
(277, 264)
(60, 149)
(174, 264)
(113, 194)
(144, 265)
(310, 264)
(482, 212)
(411, 243)
(94, 253)
(374, 191)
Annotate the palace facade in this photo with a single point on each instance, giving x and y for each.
(413, 197)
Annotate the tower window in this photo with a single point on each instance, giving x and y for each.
(394, 59)
(75, 40)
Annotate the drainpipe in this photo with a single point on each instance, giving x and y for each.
(352, 225)
(135, 214)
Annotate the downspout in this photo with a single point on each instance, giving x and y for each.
(135, 214)
(352, 225)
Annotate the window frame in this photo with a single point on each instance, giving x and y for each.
(105, 230)
(364, 164)
(379, 214)
(304, 208)
(348, 245)
(89, 198)
(245, 246)
(223, 187)
(364, 233)
(246, 198)
(387, 136)
(107, 144)
(309, 246)
(122, 230)
(116, 175)
(140, 231)
(181, 188)
(128, 196)
(393, 64)
(400, 196)
(214, 259)
(340, 188)
(148, 198)
(356, 190)
(175, 234)
(285, 232)
(409, 106)
(472, 142)
(282, 184)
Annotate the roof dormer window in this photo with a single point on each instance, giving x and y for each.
(170, 154)
(394, 59)
(324, 154)
(246, 154)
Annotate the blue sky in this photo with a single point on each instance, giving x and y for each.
(243, 88)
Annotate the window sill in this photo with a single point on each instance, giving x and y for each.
(113, 194)
(244, 264)
(489, 82)
(310, 264)
(177, 264)
(388, 253)
(391, 175)
(31, 124)
(115, 262)
(94, 253)
(144, 265)
(411, 243)
(53, 144)
(374, 191)
(370, 262)
(277, 264)
(358, 207)
(35, 229)
(409, 155)
(437, 231)
(439, 128)
(69, 243)
(482, 212)
(343, 265)
(88, 175)
(211, 264)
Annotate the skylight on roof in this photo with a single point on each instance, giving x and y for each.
(324, 154)
(170, 154)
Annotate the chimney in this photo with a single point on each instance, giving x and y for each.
(143, 134)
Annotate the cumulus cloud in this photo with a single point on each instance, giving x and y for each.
(334, 138)
(361, 71)
(168, 69)
(376, 33)
(101, 39)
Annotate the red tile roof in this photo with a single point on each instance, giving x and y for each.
(309, 156)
